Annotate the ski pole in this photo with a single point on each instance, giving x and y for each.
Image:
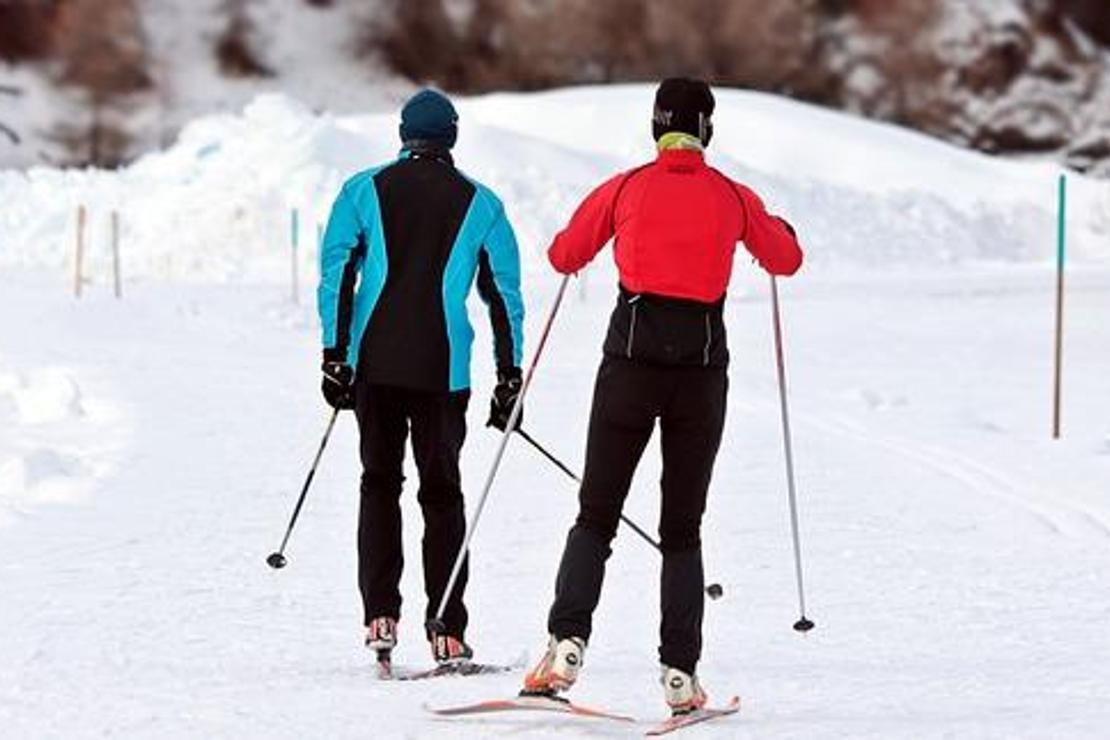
(571, 474)
(803, 624)
(436, 625)
(277, 559)
(714, 590)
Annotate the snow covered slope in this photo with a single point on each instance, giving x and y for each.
(957, 560)
(216, 204)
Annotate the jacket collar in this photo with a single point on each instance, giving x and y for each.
(679, 140)
(419, 149)
(681, 158)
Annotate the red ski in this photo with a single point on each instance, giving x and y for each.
(538, 703)
(698, 715)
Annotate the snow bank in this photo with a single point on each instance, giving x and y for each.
(52, 447)
(49, 395)
(216, 205)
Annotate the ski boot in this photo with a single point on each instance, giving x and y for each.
(381, 637)
(682, 691)
(448, 650)
(558, 668)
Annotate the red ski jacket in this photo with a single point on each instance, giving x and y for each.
(676, 222)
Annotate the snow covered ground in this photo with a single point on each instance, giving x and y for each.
(958, 560)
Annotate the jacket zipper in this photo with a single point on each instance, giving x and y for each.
(631, 326)
(708, 340)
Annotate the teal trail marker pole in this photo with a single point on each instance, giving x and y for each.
(295, 230)
(1061, 241)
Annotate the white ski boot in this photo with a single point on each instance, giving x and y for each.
(682, 691)
(558, 669)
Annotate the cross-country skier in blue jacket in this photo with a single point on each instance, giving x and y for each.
(402, 249)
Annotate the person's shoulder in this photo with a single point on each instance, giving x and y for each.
(739, 189)
(628, 176)
(484, 196)
(360, 181)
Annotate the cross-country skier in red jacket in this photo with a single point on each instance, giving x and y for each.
(676, 222)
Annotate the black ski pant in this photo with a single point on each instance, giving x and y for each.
(689, 403)
(437, 421)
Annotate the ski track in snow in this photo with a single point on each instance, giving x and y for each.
(975, 477)
(955, 568)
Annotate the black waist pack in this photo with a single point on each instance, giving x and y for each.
(660, 330)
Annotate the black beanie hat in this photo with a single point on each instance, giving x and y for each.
(683, 104)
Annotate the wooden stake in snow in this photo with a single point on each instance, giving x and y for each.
(294, 225)
(115, 255)
(79, 254)
(1061, 240)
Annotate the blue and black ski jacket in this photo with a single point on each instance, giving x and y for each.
(399, 256)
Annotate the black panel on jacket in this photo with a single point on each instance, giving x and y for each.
(499, 314)
(423, 201)
(347, 301)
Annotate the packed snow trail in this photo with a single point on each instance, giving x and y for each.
(956, 560)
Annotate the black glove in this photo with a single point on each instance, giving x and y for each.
(504, 398)
(338, 384)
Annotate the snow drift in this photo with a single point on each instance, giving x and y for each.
(217, 204)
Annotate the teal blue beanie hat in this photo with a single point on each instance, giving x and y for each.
(428, 118)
